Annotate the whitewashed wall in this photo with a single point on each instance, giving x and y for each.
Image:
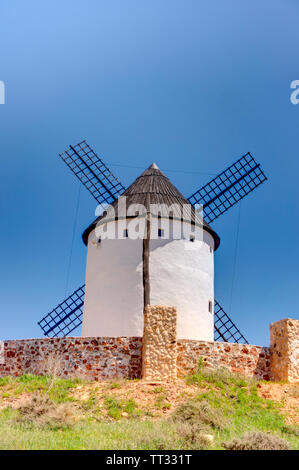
(181, 275)
(113, 303)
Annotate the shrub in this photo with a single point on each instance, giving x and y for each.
(90, 403)
(218, 377)
(257, 441)
(40, 410)
(291, 430)
(200, 414)
(192, 436)
(294, 391)
(159, 442)
(60, 416)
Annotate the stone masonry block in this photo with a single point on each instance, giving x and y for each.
(284, 348)
(159, 344)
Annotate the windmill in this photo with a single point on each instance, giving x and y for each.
(216, 197)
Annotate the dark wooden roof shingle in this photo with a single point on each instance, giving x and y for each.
(156, 193)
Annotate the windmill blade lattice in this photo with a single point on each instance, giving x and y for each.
(217, 197)
(93, 173)
(66, 317)
(229, 187)
(224, 327)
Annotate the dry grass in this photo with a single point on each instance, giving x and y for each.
(45, 412)
(200, 414)
(194, 436)
(42, 411)
(257, 441)
(293, 391)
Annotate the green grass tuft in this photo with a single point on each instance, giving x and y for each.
(225, 412)
(121, 408)
(56, 388)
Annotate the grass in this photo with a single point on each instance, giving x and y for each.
(238, 401)
(220, 377)
(113, 385)
(122, 435)
(118, 408)
(56, 388)
(225, 411)
(162, 403)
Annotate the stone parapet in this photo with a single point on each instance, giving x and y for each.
(159, 344)
(284, 343)
(244, 359)
(89, 358)
(101, 358)
(104, 358)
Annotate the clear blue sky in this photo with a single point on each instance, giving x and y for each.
(190, 85)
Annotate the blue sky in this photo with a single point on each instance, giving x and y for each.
(190, 85)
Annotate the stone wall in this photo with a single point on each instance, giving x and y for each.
(105, 358)
(159, 346)
(87, 358)
(284, 343)
(243, 359)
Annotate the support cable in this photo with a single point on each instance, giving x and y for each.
(73, 239)
(235, 259)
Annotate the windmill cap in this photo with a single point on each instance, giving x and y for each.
(154, 166)
(153, 188)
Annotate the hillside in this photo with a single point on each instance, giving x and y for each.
(207, 410)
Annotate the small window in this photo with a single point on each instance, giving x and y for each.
(211, 249)
(96, 241)
(192, 238)
(160, 232)
(126, 233)
(210, 307)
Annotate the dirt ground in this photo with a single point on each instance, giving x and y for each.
(156, 399)
(160, 399)
(286, 394)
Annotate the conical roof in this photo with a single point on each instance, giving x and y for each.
(155, 191)
(153, 187)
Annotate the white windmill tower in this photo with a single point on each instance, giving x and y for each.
(125, 274)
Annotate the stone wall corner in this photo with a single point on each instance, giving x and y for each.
(284, 350)
(159, 343)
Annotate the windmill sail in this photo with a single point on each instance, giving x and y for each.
(223, 192)
(66, 317)
(229, 187)
(92, 172)
(224, 327)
